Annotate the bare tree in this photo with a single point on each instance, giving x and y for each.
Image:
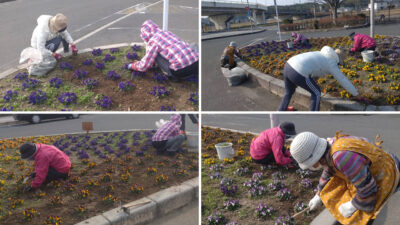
(333, 5)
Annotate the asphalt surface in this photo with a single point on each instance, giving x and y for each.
(18, 19)
(101, 122)
(325, 125)
(218, 96)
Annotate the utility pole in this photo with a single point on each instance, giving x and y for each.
(165, 15)
(372, 19)
(277, 19)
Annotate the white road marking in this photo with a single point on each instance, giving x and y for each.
(90, 24)
(133, 28)
(113, 22)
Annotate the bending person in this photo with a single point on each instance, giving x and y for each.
(269, 146)
(358, 177)
(169, 138)
(362, 42)
(300, 39)
(174, 57)
(228, 56)
(49, 33)
(50, 163)
(300, 69)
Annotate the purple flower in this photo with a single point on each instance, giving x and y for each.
(278, 175)
(227, 186)
(37, 97)
(55, 82)
(306, 183)
(194, 79)
(66, 66)
(167, 108)
(276, 185)
(139, 153)
(137, 74)
(135, 47)
(114, 50)
(30, 83)
(105, 102)
(241, 171)
(264, 211)
(67, 98)
(217, 167)
(112, 75)
(96, 52)
(20, 76)
(109, 58)
(90, 83)
(232, 204)
(216, 219)
(284, 194)
(159, 91)
(216, 175)
(194, 98)
(5, 109)
(80, 74)
(87, 62)
(100, 66)
(159, 77)
(131, 56)
(284, 220)
(299, 206)
(82, 154)
(126, 86)
(9, 95)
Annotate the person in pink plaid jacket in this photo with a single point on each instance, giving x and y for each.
(174, 56)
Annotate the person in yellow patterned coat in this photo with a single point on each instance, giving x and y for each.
(358, 176)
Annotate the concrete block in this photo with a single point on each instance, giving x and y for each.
(141, 214)
(116, 216)
(324, 218)
(386, 108)
(195, 183)
(277, 87)
(96, 220)
(172, 198)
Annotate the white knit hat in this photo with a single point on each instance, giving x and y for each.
(329, 53)
(307, 149)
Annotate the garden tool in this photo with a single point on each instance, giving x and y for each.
(301, 212)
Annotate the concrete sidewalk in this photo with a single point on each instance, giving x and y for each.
(230, 34)
(5, 120)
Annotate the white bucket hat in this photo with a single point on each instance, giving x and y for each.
(307, 149)
(233, 44)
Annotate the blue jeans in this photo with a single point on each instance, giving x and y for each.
(174, 143)
(54, 43)
(293, 79)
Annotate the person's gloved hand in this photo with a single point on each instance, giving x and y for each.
(347, 209)
(57, 56)
(133, 66)
(74, 49)
(315, 202)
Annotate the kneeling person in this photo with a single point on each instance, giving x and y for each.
(50, 163)
(169, 137)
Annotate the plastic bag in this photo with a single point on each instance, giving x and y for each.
(38, 64)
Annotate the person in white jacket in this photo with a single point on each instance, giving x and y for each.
(300, 69)
(49, 33)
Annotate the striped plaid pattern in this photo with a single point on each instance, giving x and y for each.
(168, 130)
(356, 168)
(168, 45)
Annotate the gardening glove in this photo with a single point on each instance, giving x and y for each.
(347, 209)
(57, 56)
(315, 202)
(74, 49)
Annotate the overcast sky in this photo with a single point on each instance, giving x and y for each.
(267, 2)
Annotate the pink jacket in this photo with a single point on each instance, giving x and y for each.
(298, 38)
(48, 156)
(362, 41)
(271, 140)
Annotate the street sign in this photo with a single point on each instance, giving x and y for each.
(87, 126)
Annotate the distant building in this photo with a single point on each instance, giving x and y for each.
(383, 4)
(345, 9)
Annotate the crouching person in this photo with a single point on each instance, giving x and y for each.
(269, 146)
(169, 138)
(50, 163)
(358, 177)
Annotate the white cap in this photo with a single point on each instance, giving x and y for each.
(233, 44)
(307, 149)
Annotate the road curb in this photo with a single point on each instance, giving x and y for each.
(150, 207)
(232, 35)
(10, 71)
(302, 97)
(233, 130)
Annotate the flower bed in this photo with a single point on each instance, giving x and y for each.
(105, 173)
(378, 82)
(101, 81)
(244, 192)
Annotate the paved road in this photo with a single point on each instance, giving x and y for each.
(18, 19)
(101, 122)
(188, 215)
(326, 125)
(218, 96)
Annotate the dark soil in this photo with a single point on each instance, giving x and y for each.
(166, 165)
(213, 199)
